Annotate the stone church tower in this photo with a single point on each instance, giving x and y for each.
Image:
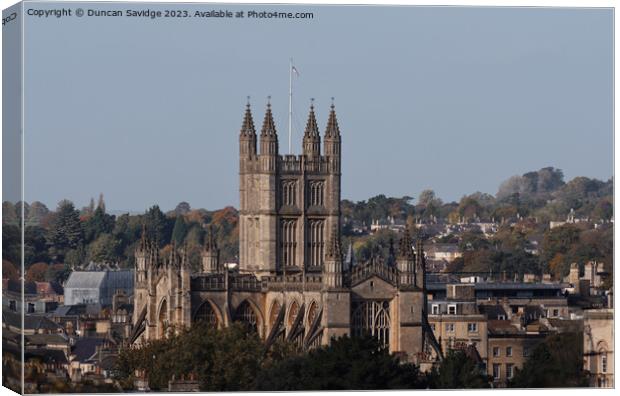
(288, 203)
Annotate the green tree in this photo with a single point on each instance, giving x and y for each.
(104, 249)
(11, 243)
(158, 225)
(99, 223)
(180, 230)
(35, 245)
(223, 360)
(66, 231)
(76, 258)
(555, 363)
(458, 371)
(346, 364)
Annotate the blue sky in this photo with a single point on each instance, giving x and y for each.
(452, 99)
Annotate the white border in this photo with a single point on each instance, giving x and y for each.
(482, 3)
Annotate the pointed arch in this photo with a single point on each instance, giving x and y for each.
(209, 314)
(249, 316)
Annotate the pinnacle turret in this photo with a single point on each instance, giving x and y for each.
(210, 242)
(311, 127)
(269, 126)
(334, 249)
(143, 240)
(332, 129)
(332, 269)
(247, 128)
(211, 254)
(269, 141)
(312, 138)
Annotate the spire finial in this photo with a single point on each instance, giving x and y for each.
(332, 106)
(312, 103)
(269, 101)
(248, 102)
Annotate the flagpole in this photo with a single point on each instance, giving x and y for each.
(290, 105)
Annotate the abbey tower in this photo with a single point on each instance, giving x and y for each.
(289, 204)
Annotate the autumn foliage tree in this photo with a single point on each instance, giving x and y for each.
(36, 272)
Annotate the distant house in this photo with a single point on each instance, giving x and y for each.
(389, 223)
(97, 287)
(442, 251)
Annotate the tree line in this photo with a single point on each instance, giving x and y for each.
(233, 359)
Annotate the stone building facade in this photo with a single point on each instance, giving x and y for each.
(290, 282)
(598, 346)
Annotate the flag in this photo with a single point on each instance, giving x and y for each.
(295, 71)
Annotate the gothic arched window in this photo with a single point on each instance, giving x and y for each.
(316, 243)
(246, 315)
(288, 242)
(372, 318)
(206, 314)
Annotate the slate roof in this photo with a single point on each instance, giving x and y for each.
(492, 312)
(108, 362)
(565, 325)
(31, 322)
(85, 280)
(501, 327)
(46, 339)
(77, 310)
(85, 348)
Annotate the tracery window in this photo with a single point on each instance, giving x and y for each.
(372, 318)
(316, 243)
(246, 315)
(206, 315)
(288, 243)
